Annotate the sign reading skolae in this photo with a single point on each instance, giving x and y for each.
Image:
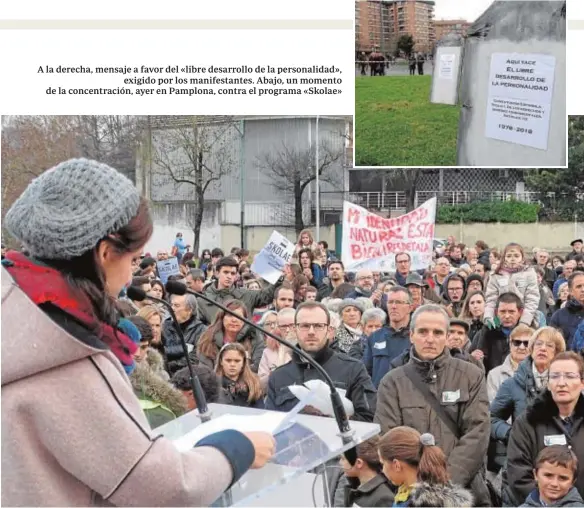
(519, 99)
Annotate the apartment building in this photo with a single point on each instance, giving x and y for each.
(443, 27)
(380, 23)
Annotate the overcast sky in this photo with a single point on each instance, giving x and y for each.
(469, 10)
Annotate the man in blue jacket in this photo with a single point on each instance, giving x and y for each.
(386, 344)
(569, 317)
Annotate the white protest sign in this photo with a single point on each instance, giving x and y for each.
(371, 241)
(167, 268)
(269, 263)
(446, 66)
(520, 97)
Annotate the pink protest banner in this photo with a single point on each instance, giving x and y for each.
(371, 241)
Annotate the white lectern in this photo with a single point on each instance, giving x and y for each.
(301, 449)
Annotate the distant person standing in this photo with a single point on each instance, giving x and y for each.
(412, 64)
(179, 247)
(420, 61)
(363, 63)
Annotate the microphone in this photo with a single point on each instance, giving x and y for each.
(176, 288)
(139, 295)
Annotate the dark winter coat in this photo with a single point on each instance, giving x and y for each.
(568, 319)
(252, 341)
(346, 373)
(376, 492)
(572, 498)
(192, 331)
(426, 494)
(495, 346)
(160, 401)
(513, 397)
(484, 259)
(236, 395)
(251, 299)
(476, 326)
(381, 348)
(400, 403)
(527, 439)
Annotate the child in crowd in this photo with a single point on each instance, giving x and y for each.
(555, 474)
(367, 486)
(514, 275)
(241, 387)
(418, 468)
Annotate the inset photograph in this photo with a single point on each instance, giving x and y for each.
(450, 83)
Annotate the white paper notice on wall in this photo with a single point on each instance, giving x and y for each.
(520, 97)
(446, 66)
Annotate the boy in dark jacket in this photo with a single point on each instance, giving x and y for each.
(367, 486)
(555, 473)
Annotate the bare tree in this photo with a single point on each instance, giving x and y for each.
(290, 170)
(112, 139)
(197, 155)
(30, 146)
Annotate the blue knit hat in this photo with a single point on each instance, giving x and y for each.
(64, 212)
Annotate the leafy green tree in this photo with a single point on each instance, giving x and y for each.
(406, 44)
(563, 189)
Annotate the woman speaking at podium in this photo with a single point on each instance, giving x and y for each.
(73, 433)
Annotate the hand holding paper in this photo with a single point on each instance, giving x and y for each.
(320, 394)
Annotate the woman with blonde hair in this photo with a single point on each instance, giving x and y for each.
(527, 383)
(418, 467)
(241, 387)
(305, 241)
(155, 355)
(275, 354)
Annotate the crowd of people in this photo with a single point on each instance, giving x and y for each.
(473, 367)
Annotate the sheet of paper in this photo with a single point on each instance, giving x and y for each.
(272, 422)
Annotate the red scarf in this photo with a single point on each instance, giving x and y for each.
(43, 284)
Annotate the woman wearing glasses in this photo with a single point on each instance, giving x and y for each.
(275, 354)
(517, 382)
(555, 418)
(530, 379)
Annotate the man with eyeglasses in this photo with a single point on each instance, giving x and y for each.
(491, 344)
(365, 287)
(454, 294)
(403, 264)
(389, 342)
(285, 323)
(455, 385)
(568, 318)
(556, 417)
(442, 269)
(186, 310)
(312, 322)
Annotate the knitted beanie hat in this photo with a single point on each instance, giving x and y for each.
(350, 302)
(65, 211)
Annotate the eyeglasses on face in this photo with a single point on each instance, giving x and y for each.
(518, 343)
(568, 376)
(286, 327)
(547, 345)
(318, 327)
(272, 326)
(397, 302)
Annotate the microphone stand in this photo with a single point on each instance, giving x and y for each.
(346, 433)
(198, 393)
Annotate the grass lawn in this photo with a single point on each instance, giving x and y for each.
(396, 125)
